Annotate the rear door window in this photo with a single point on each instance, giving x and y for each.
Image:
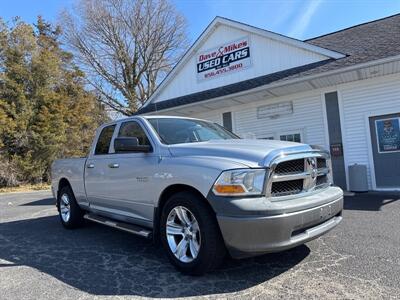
(104, 141)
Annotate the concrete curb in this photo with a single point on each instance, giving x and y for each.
(24, 192)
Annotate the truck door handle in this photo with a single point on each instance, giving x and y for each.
(113, 166)
(90, 166)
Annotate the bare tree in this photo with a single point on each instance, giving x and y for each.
(125, 46)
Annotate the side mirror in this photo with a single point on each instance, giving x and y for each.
(129, 144)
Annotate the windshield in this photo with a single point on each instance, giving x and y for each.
(178, 131)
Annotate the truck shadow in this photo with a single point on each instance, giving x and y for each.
(102, 261)
(41, 202)
(371, 201)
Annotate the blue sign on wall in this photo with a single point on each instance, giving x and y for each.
(388, 135)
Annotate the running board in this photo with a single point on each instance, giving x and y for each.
(134, 229)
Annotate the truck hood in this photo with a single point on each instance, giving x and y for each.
(250, 152)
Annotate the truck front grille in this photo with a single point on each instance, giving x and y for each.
(299, 175)
(290, 167)
(285, 188)
(321, 162)
(321, 180)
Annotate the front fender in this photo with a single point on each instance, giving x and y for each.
(197, 172)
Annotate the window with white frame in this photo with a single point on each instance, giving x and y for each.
(291, 137)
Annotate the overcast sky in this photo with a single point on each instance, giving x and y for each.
(299, 19)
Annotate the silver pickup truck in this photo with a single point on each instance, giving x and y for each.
(199, 189)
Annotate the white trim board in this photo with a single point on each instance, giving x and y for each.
(343, 132)
(325, 118)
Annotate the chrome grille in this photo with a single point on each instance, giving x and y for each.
(290, 176)
(284, 188)
(321, 181)
(290, 167)
(321, 162)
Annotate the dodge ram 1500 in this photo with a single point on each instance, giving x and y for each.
(199, 190)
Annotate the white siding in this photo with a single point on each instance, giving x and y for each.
(307, 118)
(358, 102)
(267, 56)
(214, 117)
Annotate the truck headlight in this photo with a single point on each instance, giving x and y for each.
(240, 182)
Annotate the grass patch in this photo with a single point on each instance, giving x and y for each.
(26, 188)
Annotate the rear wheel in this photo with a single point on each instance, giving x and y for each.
(71, 215)
(190, 234)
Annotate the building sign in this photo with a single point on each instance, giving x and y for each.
(275, 110)
(388, 135)
(225, 59)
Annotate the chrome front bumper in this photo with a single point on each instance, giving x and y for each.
(255, 235)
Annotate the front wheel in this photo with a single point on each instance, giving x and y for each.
(190, 234)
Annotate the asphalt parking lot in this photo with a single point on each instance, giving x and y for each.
(39, 259)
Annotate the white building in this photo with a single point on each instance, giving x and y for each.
(340, 91)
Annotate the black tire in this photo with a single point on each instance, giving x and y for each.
(212, 248)
(75, 219)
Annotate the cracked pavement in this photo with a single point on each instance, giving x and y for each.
(360, 259)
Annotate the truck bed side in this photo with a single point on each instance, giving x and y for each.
(71, 169)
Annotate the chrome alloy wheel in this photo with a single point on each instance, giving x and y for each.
(183, 234)
(65, 209)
